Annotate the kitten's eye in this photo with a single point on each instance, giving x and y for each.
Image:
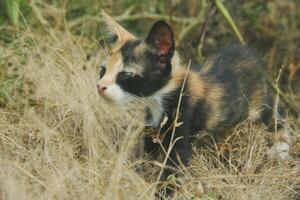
(102, 70)
(125, 75)
(128, 74)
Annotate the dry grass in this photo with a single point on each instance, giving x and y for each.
(64, 142)
(59, 140)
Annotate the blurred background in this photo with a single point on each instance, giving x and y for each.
(58, 140)
(270, 27)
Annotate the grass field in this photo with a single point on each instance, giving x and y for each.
(60, 140)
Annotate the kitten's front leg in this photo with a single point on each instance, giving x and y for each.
(179, 155)
(152, 130)
(151, 148)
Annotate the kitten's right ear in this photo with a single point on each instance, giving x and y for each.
(118, 33)
(161, 39)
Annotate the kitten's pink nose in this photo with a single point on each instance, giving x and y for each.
(101, 89)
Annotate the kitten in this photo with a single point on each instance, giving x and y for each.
(226, 89)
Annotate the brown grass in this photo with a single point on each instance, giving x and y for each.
(61, 141)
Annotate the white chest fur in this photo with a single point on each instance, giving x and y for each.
(156, 111)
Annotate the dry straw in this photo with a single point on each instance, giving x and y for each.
(62, 141)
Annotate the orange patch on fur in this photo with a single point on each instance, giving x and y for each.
(177, 78)
(115, 63)
(256, 103)
(140, 49)
(195, 86)
(214, 99)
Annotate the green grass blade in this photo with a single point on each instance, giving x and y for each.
(12, 9)
(222, 9)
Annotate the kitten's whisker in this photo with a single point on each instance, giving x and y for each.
(139, 99)
(129, 107)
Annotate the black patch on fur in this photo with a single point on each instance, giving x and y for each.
(200, 115)
(155, 74)
(127, 51)
(231, 69)
(139, 85)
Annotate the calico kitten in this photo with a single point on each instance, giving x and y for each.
(226, 89)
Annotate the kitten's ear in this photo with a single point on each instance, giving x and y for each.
(117, 31)
(161, 39)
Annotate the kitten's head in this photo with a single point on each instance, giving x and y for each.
(138, 67)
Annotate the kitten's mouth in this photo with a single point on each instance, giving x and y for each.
(105, 97)
(108, 99)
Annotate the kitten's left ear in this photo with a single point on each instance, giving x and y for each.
(161, 39)
(117, 31)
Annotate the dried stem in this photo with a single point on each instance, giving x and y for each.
(208, 19)
(43, 21)
(172, 142)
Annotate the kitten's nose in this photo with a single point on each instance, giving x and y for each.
(101, 89)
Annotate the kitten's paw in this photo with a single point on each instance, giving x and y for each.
(281, 145)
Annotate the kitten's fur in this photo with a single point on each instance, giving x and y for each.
(226, 89)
